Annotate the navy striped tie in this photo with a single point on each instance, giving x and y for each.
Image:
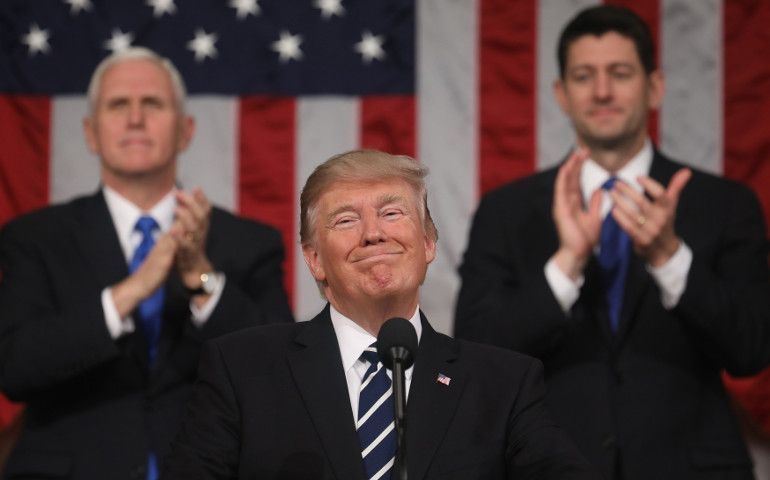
(376, 428)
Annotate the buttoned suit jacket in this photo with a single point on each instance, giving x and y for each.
(647, 402)
(93, 409)
(272, 403)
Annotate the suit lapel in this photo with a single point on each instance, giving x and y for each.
(431, 405)
(638, 280)
(95, 234)
(318, 374)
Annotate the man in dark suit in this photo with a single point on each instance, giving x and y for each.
(632, 360)
(105, 377)
(279, 402)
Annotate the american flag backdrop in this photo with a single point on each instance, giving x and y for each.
(277, 86)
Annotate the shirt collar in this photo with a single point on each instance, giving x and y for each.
(353, 339)
(125, 215)
(593, 175)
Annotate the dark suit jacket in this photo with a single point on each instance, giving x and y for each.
(272, 403)
(93, 409)
(651, 397)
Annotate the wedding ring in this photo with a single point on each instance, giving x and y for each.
(640, 220)
(193, 237)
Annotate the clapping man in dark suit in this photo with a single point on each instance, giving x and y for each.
(106, 299)
(634, 293)
(294, 402)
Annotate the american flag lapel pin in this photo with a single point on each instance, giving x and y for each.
(443, 379)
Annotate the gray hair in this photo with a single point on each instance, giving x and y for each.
(137, 53)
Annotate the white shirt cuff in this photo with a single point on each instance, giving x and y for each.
(671, 277)
(115, 325)
(201, 315)
(564, 289)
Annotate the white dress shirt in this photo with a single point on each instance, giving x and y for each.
(671, 277)
(353, 340)
(124, 217)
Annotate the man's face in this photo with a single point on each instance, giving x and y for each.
(369, 242)
(136, 127)
(606, 92)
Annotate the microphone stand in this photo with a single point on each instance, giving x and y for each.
(399, 407)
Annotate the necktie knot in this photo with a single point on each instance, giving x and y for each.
(370, 354)
(146, 224)
(607, 185)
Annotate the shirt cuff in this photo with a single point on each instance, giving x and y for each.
(115, 325)
(671, 277)
(564, 289)
(201, 315)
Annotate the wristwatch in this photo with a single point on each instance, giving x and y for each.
(209, 283)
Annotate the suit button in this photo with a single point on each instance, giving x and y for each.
(608, 442)
(138, 471)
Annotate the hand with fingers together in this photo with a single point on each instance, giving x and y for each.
(650, 221)
(578, 228)
(193, 218)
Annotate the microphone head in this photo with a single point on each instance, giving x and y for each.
(397, 341)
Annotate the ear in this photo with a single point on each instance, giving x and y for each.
(89, 130)
(313, 262)
(657, 89)
(430, 249)
(559, 91)
(186, 133)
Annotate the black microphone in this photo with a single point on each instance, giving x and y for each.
(397, 349)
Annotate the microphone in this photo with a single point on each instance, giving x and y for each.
(397, 348)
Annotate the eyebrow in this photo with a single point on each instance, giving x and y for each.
(383, 200)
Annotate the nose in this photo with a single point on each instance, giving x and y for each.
(602, 87)
(135, 115)
(372, 232)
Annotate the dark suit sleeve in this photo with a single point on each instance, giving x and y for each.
(505, 299)
(726, 305)
(536, 447)
(208, 445)
(250, 255)
(46, 337)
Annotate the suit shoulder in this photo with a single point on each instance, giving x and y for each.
(224, 219)
(540, 183)
(44, 221)
(481, 353)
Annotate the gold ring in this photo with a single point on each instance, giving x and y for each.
(193, 237)
(641, 219)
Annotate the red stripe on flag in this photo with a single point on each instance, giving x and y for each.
(388, 124)
(746, 141)
(507, 91)
(649, 10)
(266, 170)
(24, 136)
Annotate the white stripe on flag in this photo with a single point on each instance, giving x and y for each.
(447, 141)
(74, 169)
(326, 126)
(554, 132)
(691, 57)
(211, 160)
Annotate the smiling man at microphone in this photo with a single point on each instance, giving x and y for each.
(312, 400)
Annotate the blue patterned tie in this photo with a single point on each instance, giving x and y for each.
(376, 428)
(614, 249)
(150, 311)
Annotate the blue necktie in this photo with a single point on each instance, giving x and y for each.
(614, 249)
(376, 427)
(150, 311)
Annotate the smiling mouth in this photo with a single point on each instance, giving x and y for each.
(374, 256)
